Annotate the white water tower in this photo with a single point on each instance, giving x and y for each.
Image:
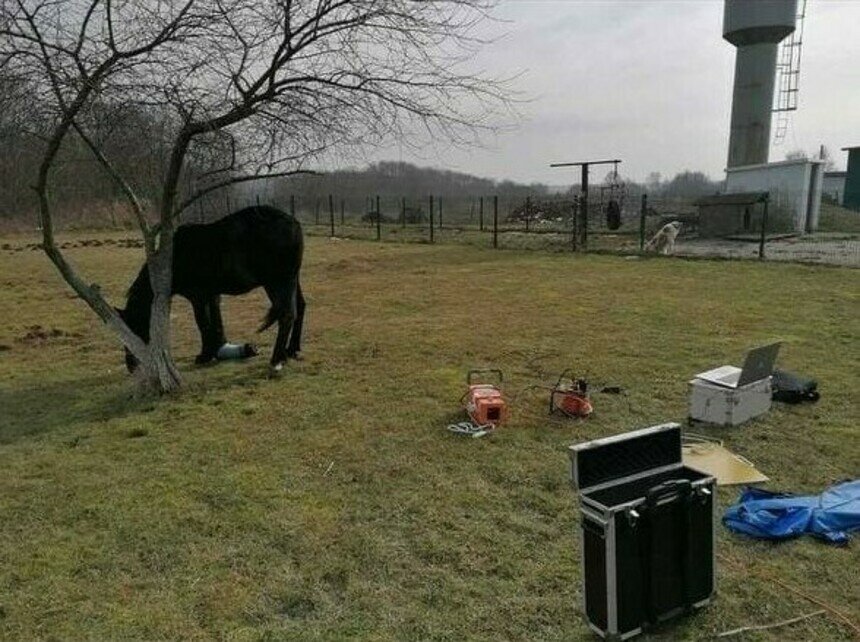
(755, 27)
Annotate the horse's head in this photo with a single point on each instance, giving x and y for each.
(131, 361)
(136, 313)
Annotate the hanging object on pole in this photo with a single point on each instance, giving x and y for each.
(583, 193)
(617, 193)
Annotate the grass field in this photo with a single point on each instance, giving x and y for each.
(331, 503)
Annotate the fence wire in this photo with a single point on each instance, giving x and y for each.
(559, 224)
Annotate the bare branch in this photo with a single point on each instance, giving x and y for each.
(128, 192)
(233, 180)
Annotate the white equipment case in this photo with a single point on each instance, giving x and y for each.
(716, 404)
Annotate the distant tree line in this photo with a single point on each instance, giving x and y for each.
(136, 136)
(391, 181)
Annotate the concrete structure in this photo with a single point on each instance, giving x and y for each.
(756, 28)
(723, 215)
(833, 186)
(794, 187)
(851, 200)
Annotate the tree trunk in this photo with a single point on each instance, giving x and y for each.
(158, 371)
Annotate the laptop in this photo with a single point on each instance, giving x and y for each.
(757, 365)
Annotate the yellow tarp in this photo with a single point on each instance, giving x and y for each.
(712, 458)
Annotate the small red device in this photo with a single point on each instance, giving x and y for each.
(485, 404)
(570, 396)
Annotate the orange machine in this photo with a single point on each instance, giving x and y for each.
(485, 404)
(570, 396)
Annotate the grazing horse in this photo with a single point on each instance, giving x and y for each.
(256, 246)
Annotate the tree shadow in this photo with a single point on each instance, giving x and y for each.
(29, 411)
(34, 410)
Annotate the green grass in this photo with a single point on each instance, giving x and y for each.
(331, 503)
(833, 218)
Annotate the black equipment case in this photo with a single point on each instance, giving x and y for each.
(648, 530)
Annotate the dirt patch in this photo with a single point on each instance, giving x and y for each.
(36, 334)
(350, 266)
(131, 243)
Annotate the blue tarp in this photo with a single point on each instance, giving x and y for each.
(832, 515)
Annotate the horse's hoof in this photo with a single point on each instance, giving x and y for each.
(203, 359)
(298, 356)
(275, 370)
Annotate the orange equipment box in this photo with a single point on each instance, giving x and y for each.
(484, 401)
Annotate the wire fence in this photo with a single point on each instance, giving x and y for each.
(562, 224)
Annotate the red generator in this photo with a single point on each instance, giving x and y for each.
(485, 404)
(570, 396)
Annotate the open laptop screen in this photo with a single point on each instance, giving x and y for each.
(758, 363)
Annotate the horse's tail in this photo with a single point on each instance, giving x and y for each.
(283, 302)
(275, 312)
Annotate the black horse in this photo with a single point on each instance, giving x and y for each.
(256, 246)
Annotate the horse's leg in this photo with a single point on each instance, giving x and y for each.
(295, 345)
(217, 323)
(283, 300)
(204, 325)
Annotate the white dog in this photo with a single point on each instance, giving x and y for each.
(664, 240)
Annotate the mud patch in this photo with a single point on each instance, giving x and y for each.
(351, 266)
(36, 335)
(130, 243)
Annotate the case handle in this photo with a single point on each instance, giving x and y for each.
(668, 491)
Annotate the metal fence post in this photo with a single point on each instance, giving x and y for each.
(528, 211)
(331, 212)
(481, 214)
(583, 204)
(495, 221)
(440, 212)
(431, 218)
(763, 227)
(341, 211)
(573, 223)
(378, 220)
(642, 213)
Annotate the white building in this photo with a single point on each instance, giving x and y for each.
(794, 187)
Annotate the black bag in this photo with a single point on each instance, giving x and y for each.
(613, 215)
(792, 388)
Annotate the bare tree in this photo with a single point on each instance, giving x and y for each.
(245, 89)
(826, 156)
(796, 154)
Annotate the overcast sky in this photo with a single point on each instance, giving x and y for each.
(647, 81)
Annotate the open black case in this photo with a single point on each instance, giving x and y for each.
(648, 530)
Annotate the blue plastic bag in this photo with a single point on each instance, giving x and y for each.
(831, 516)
